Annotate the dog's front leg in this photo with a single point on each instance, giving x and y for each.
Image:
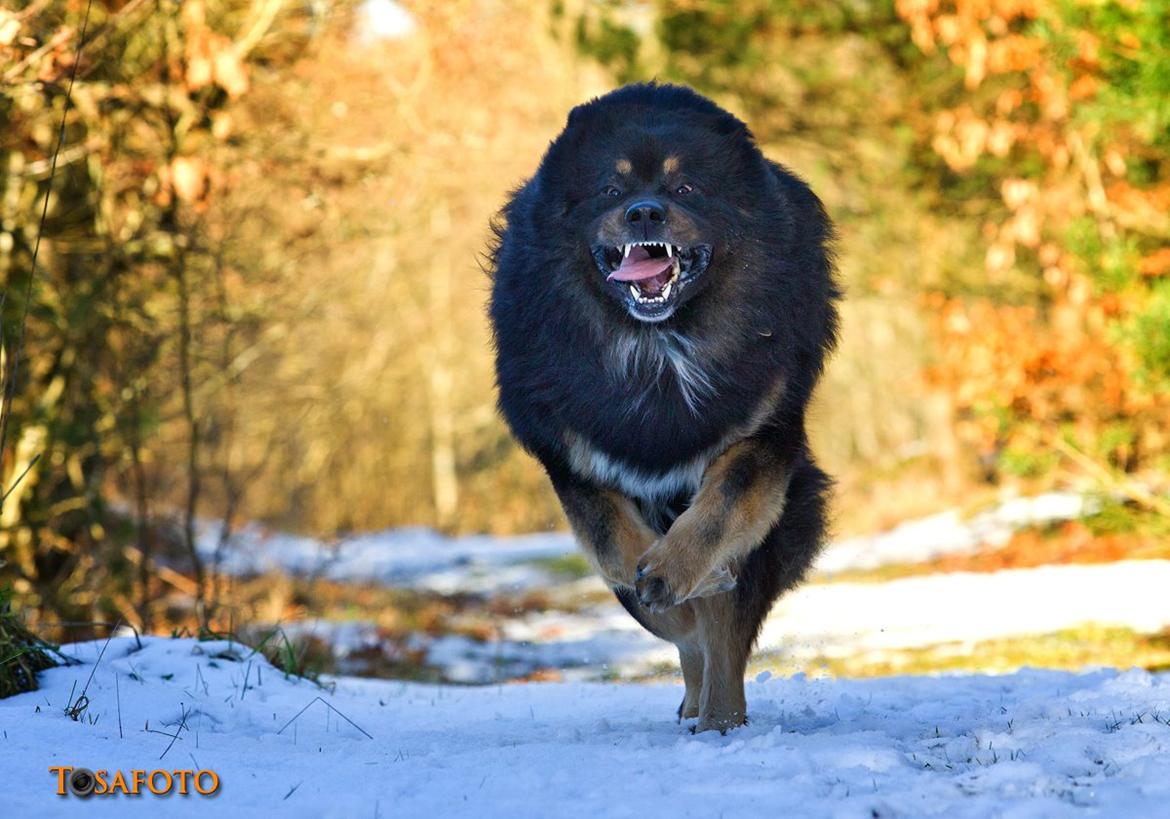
(607, 525)
(740, 499)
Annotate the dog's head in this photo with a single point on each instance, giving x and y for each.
(651, 195)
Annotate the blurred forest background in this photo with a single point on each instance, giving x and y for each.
(258, 293)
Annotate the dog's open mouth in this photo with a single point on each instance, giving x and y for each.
(651, 275)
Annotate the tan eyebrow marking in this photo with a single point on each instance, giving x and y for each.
(670, 165)
(624, 166)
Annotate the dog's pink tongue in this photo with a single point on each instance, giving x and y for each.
(638, 266)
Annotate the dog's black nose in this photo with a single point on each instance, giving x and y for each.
(646, 212)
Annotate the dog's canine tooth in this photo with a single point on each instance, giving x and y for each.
(626, 251)
(634, 290)
(669, 251)
(666, 290)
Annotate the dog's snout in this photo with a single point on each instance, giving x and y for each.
(646, 212)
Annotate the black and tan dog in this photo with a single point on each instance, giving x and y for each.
(663, 302)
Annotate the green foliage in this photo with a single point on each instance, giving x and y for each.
(1027, 462)
(1134, 53)
(737, 49)
(572, 566)
(1118, 518)
(1110, 261)
(611, 44)
(1149, 333)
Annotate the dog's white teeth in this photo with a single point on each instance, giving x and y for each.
(670, 251)
(666, 290)
(626, 251)
(634, 291)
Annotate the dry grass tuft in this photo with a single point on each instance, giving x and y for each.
(22, 653)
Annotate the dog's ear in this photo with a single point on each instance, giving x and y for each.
(726, 124)
(584, 115)
(594, 113)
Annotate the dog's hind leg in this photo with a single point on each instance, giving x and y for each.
(691, 657)
(727, 624)
(726, 648)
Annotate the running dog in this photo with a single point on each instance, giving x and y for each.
(663, 302)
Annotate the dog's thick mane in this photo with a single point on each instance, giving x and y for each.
(641, 357)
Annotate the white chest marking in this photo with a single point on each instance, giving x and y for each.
(637, 483)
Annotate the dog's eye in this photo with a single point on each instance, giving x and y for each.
(684, 189)
(610, 190)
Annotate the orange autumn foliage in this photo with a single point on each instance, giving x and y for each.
(1069, 212)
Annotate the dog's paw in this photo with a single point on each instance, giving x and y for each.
(719, 722)
(663, 583)
(654, 589)
(668, 574)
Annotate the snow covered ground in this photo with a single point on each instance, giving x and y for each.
(416, 557)
(951, 532)
(838, 618)
(1032, 744)
(834, 620)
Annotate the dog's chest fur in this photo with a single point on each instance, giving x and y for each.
(648, 366)
(643, 365)
(642, 360)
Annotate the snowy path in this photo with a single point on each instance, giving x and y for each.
(839, 618)
(424, 559)
(1026, 745)
(836, 620)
